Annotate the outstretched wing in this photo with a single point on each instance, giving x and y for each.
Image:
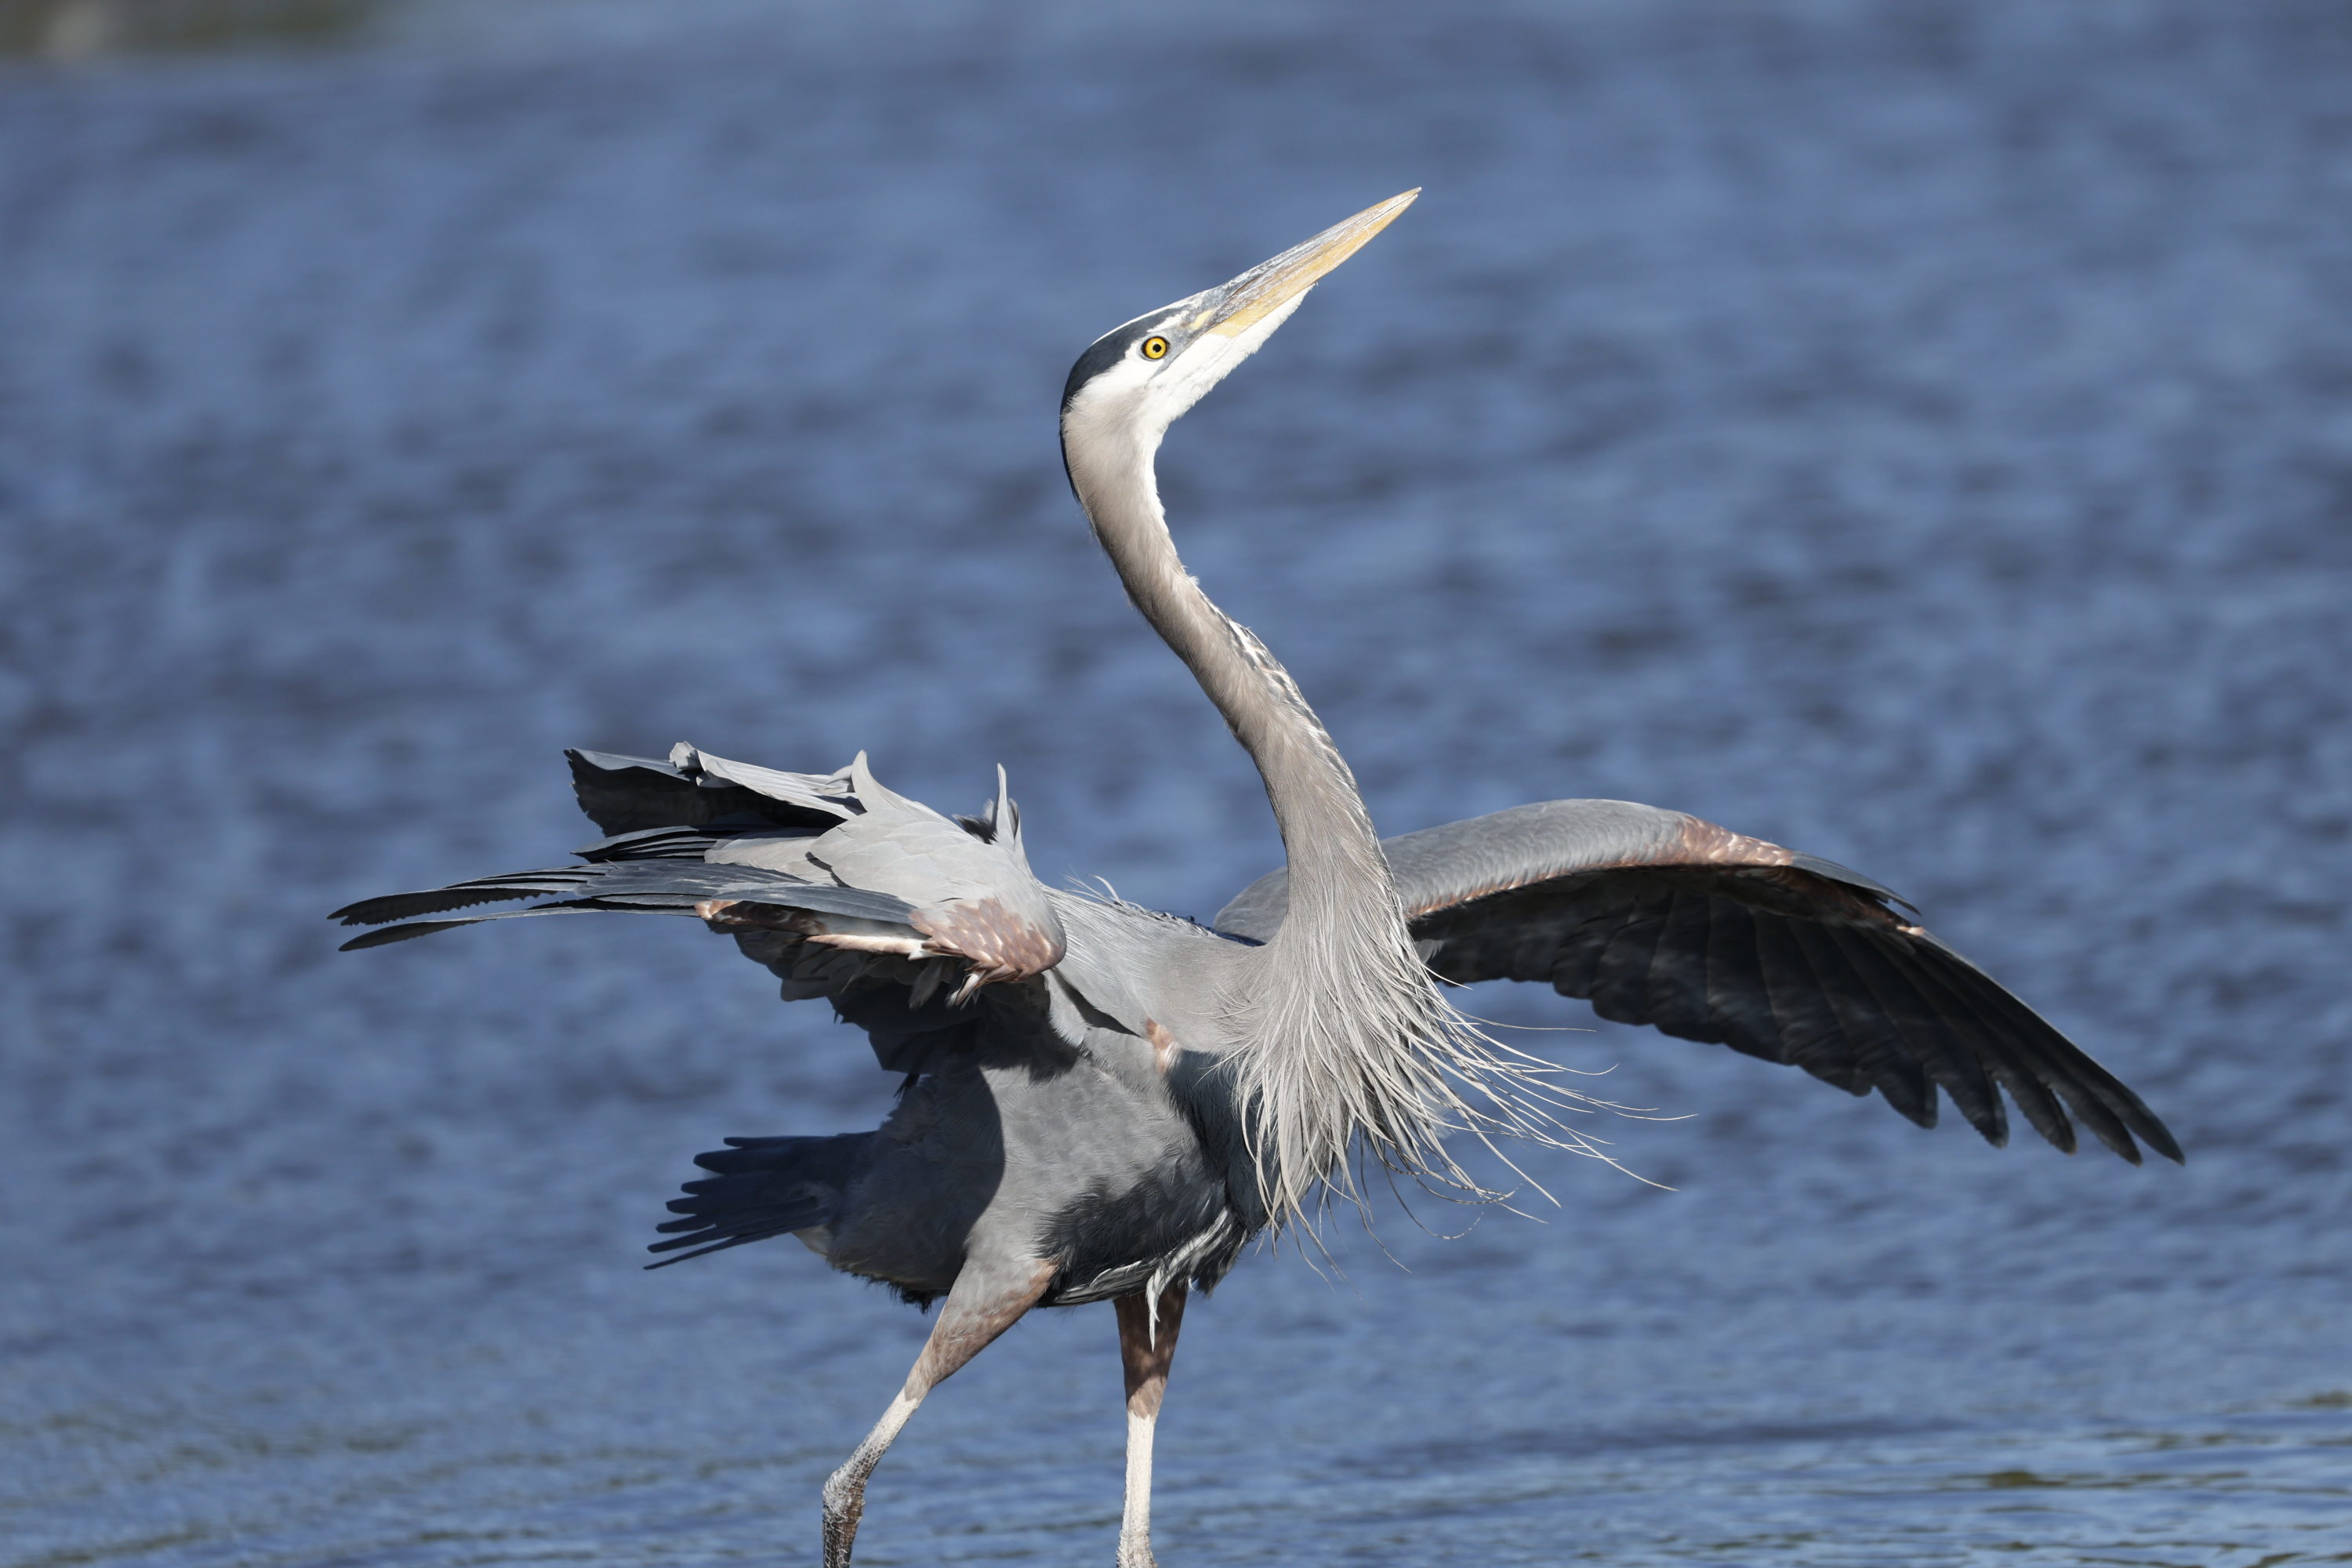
(1659, 918)
(833, 863)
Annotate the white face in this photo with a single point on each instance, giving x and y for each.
(1148, 373)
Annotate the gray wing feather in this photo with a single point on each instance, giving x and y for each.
(659, 886)
(1663, 918)
(1441, 865)
(840, 887)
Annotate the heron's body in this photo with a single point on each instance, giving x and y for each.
(1035, 1125)
(1101, 1102)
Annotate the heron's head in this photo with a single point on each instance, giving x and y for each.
(1140, 378)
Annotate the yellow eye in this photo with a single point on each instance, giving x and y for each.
(1155, 348)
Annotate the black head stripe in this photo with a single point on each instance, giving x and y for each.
(1108, 351)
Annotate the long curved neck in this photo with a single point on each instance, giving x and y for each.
(1344, 1042)
(1336, 872)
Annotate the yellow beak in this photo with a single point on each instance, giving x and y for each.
(1270, 285)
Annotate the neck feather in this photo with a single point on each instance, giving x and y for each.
(1341, 1035)
(1336, 865)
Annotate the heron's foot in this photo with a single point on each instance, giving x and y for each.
(844, 1504)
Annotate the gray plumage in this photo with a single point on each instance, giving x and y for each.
(1102, 1102)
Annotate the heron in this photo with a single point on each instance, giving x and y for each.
(1102, 1102)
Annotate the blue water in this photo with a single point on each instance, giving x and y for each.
(1920, 434)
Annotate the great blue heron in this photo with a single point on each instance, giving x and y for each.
(1105, 1103)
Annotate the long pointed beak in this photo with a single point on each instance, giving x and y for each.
(1270, 285)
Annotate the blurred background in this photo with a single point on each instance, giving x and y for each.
(1917, 432)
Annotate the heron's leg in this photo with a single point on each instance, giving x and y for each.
(1147, 1347)
(986, 1301)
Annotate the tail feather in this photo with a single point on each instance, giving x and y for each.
(763, 1187)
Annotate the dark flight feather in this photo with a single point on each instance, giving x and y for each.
(630, 794)
(657, 885)
(1658, 918)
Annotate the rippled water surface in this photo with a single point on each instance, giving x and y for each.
(1918, 434)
